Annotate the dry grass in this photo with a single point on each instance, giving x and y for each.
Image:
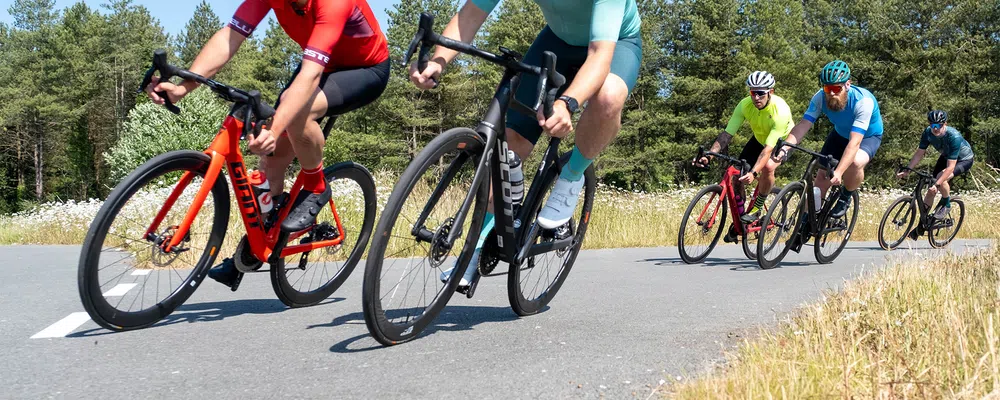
(916, 330)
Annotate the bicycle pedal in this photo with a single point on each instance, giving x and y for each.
(472, 288)
(236, 282)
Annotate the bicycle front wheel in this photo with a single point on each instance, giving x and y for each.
(534, 283)
(305, 279)
(702, 224)
(944, 231)
(403, 288)
(127, 277)
(896, 222)
(783, 220)
(835, 232)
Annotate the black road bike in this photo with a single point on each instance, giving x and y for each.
(898, 220)
(797, 216)
(426, 226)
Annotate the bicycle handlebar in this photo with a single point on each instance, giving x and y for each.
(833, 162)
(549, 80)
(261, 110)
(744, 165)
(921, 174)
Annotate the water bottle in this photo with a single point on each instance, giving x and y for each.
(262, 190)
(817, 199)
(516, 178)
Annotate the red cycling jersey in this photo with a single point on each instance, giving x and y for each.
(326, 29)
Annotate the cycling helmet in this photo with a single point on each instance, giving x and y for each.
(760, 79)
(937, 117)
(835, 72)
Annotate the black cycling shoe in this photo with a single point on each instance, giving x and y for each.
(914, 234)
(731, 235)
(840, 209)
(303, 214)
(227, 274)
(750, 218)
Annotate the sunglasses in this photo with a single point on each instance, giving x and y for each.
(936, 126)
(759, 93)
(833, 89)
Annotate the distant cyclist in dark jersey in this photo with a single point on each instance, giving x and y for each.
(956, 159)
(856, 134)
(345, 65)
(770, 119)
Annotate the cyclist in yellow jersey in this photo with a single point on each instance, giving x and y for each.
(770, 119)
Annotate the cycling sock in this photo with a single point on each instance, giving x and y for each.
(759, 203)
(312, 179)
(488, 223)
(577, 164)
(846, 194)
(946, 201)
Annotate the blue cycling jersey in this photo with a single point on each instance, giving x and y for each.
(861, 114)
(579, 22)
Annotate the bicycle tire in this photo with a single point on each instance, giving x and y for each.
(379, 326)
(782, 203)
(750, 250)
(698, 257)
(908, 209)
(521, 304)
(817, 241)
(285, 289)
(88, 280)
(933, 233)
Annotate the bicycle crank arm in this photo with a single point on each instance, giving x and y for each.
(546, 247)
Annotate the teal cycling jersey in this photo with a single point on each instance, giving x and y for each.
(579, 22)
(951, 145)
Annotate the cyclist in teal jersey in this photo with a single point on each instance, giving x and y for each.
(956, 159)
(598, 49)
(856, 134)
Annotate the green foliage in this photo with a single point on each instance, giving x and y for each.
(152, 130)
(196, 33)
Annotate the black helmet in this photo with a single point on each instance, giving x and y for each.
(937, 117)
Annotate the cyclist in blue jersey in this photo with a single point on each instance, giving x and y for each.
(956, 159)
(598, 41)
(856, 134)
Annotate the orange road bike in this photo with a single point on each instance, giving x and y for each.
(161, 229)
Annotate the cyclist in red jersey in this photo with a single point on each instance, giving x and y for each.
(345, 65)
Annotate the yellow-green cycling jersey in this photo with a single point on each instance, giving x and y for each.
(768, 125)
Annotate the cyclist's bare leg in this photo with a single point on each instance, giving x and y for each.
(767, 178)
(602, 119)
(277, 165)
(855, 174)
(305, 134)
(822, 181)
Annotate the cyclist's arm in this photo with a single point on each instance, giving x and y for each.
(808, 119)
(726, 136)
(799, 131)
(463, 27)
(917, 156)
(327, 29)
(945, 175)
(226, 41)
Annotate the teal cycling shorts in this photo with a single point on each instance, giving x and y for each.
(624, 64)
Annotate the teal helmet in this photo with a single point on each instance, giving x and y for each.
(835, 72)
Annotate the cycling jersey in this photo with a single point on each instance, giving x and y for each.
(861, 114)
(332, 33)
(951, 145)
(768, 125)
(579, 22)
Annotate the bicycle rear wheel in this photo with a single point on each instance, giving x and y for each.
(751, 233)
(896, 222)
(944, 231)
(126, 278)
(835, 232)
(695, 240)
(532, 285)
(784, 216)
(402, 291)
(305, 279)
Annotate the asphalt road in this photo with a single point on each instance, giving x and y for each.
(624, 321)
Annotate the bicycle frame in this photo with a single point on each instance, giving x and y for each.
(729, 192)
(225, 150)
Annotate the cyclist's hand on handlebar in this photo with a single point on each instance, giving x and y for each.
(263, 143)
(837, 179)
(902, 174)
(560, 123)
(175, 92)
(429, 78)
(701, 162)
(747, 178)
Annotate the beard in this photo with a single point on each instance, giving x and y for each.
(837, 103)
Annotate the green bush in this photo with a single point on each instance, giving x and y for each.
(152, 130)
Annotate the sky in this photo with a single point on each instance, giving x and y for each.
(173, 14)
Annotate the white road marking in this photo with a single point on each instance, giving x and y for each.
(64, 327)
(141, 272)
(120, 290)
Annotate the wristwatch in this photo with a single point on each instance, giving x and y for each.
(571, 104)
(755, 173)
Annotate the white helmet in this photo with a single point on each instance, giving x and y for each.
(760, 79)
